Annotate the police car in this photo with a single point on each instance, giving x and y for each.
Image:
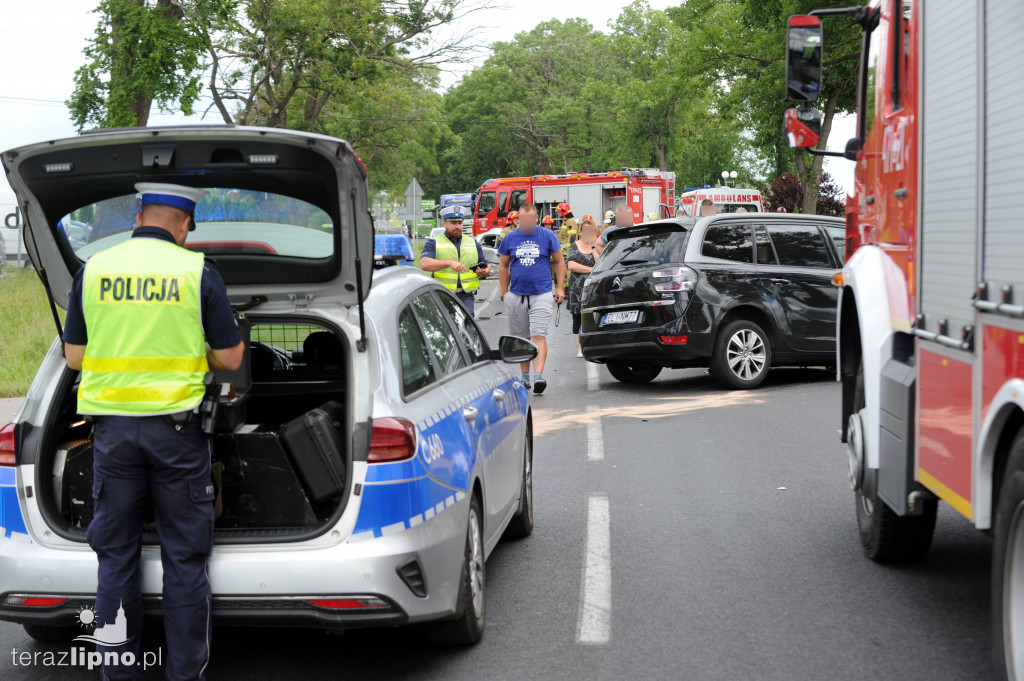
(434, 425)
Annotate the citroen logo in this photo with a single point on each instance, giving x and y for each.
(615, 284)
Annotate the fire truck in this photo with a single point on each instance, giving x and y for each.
(726, 199)
(645, 190)
(931, 313)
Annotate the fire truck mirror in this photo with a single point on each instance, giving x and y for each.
(853, 148)
(803, 127)
(803, 59)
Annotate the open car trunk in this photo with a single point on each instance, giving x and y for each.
(281, 467)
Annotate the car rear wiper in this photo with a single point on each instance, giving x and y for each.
(633, 262)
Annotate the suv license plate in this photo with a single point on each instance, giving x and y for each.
(627, 317)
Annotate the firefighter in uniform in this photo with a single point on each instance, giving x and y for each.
(146, 320)
(569, 230)
(511, 224)
(455, 260)
(548, 222)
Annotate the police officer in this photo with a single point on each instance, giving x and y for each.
(146, 320)
(456, 262)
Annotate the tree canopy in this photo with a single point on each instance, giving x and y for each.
(695, 89)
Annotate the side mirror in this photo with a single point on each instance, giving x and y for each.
(853, 148)
(803, 59)
(514, 350)
(803, 127)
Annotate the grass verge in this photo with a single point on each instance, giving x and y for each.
(26, 329)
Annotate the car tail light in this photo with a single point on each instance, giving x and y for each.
(393, 439)
(7, 449)
(674, 340)
(33, 601)
(357, 603)
(682, 279)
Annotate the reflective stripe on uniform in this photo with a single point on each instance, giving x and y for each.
(148, 364)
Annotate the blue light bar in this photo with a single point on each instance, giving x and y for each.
(393, 246)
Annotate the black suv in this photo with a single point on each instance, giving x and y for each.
(735, 293)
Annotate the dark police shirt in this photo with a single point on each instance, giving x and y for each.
(218, 320)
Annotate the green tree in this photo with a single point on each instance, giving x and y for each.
(143, 52)
(742, 42)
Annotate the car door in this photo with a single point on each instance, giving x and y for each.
(444, 448)
(496, 429)
(797, 280)
(730, 277)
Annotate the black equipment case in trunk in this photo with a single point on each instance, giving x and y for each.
(314, 445)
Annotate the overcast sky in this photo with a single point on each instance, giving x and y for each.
(41, 44)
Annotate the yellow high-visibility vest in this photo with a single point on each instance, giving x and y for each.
(146, 352)
(465, 254)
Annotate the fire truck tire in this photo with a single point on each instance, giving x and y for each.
(742, 355)
(885, 536)
(1008, 569)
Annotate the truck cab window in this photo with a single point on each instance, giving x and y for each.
(485, 204)
(869, 103)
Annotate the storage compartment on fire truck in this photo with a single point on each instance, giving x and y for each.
(280, 464)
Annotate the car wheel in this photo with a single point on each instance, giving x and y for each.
(51, 634)
(521, 524)
(1008, 569)
(885, 536)
(468, 627)
(742, 355)
(633, 372)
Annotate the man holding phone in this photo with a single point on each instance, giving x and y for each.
(456, 262)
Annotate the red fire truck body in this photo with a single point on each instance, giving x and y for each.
(645, 190)
(931, 315)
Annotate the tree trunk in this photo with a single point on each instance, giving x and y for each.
(810, 174)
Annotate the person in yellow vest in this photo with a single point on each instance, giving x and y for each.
(455, 260)
(147, 319)
(512, 223)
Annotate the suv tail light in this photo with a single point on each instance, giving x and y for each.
(7, 449)
(393, 439)
(682, 279)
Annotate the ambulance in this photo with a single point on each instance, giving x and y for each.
(726, 200)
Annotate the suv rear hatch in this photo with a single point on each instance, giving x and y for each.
(286, 217)
(640, 279)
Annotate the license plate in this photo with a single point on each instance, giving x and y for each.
(626, 317)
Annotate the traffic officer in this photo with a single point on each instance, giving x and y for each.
(512, 223)
(146, 320)
(456, 262)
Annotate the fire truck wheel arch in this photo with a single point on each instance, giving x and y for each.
(864, 284)
(997, 433)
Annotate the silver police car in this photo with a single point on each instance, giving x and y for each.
(389, 520)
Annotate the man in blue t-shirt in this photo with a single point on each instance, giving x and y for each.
(525, 275)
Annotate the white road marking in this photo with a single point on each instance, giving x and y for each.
(595, 436)
(592, 383)
(595, 617)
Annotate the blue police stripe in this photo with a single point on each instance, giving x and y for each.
(8, 477)
(10, 512)
(181, 202)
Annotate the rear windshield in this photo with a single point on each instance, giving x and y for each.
(228, 222)
(652, 245)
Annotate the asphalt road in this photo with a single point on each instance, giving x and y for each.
(682, 532)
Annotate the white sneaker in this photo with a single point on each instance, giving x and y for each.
(579, 354)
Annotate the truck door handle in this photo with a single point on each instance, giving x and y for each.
(470, 413)
(901, 193)
(499, 395)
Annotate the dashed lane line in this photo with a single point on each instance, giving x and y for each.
(595, 435)
(592, 375)
(595, 616)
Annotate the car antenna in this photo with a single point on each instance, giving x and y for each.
(361, 343)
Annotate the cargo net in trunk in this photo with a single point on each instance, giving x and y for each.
(282, 350)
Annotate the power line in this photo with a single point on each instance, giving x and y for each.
(31, 100)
